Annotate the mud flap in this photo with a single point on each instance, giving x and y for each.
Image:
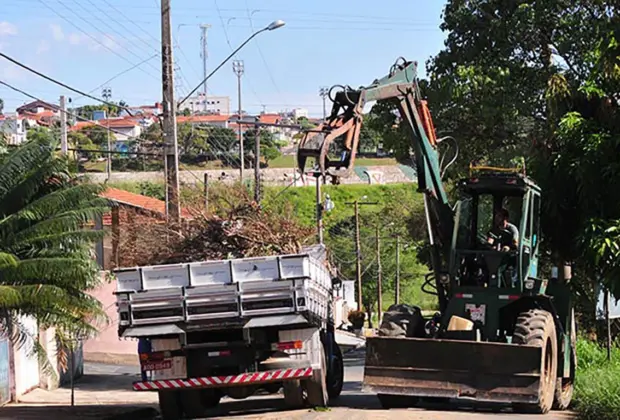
(480, 371)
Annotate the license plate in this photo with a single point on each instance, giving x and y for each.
(164, 364)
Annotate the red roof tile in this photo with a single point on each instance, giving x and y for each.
(202, 118)
(269, 118)
(140, 201)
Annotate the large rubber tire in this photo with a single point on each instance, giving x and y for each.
(536, 327)
(191, 403)
(335, 376)
(564, 387)
(170, 405)
(210, 398)
(316, 385)
(293, 394)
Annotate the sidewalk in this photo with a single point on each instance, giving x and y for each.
(104, 392)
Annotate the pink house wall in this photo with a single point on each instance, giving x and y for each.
(106, 347)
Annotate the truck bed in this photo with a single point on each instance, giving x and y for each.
(224, 291)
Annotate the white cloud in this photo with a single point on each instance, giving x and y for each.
(75, 39)
(7, 28)
(57, 32)
(44, 46)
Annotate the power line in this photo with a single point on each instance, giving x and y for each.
(231, 48)
(66, 112)
(86, 33)
(38, 73)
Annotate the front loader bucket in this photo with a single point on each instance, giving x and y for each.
(480, 371)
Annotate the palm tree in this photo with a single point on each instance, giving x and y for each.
(46, 257)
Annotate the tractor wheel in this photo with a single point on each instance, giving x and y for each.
(335, 376)
(536, 327)
(170, 405)
(316, 385)
(564, 386)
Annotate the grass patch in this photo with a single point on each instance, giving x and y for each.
(597, 386)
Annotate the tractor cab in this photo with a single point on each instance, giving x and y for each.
(497, 230)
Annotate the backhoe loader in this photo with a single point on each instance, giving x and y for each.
(504, 333)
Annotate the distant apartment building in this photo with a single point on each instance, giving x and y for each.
(218, 105)
(13, 129)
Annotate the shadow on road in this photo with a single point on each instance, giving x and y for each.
(87, 412)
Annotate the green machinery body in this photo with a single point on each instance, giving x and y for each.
(521, 347)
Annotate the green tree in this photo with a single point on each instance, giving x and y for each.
(98, 135)
(46, 264)
(268, 146)
(530, 78)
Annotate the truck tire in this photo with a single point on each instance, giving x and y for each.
(335, 375)
(565, 386)
(536, 327)
(316, 385)
(169, 405)
(293, 394)
(191, 403)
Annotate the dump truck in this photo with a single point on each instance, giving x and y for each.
(210, 329)
(504, 332)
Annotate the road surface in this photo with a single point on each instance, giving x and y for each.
(105, 393)
(354, 404)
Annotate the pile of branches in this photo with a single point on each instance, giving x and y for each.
(244, 231)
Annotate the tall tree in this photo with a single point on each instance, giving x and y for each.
(530, 78)
(46, 264)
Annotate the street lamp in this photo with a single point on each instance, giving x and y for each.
(273, 25)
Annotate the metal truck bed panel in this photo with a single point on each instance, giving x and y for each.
(221, 290)
(165, 276)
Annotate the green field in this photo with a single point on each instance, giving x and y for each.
(288, 161)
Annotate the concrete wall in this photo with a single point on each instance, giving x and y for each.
(107, 347)
(270, 176)
(26, 362)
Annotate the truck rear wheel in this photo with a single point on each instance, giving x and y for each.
(316, 386)
(335, 375)
(293, 393)
(169, 405)
(536, 327)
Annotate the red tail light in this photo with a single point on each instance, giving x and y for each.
(288, 345)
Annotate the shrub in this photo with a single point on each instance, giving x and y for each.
(597, 386)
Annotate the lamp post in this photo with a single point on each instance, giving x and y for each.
(272, 26)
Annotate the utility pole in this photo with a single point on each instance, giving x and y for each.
(323, 91)
(358, 252)
(257, 163)
(64, 147)
(107, 95)
(319, 209)
(206, 182)
(379, 274)
(204, 54)
(169, 117)
(238, 69)
(397, 285)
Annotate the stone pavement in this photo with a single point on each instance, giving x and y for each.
(103, 392)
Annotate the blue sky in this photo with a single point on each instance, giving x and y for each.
(84, 43)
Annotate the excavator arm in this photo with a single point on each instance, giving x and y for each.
(341, 131)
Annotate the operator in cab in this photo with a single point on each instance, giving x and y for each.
(504, 236)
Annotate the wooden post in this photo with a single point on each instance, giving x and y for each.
(206, 182)
(397, 283)
(379, 276)
(608, 322)
(116, 233)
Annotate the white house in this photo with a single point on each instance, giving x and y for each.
(14, 129)
(215, 105)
